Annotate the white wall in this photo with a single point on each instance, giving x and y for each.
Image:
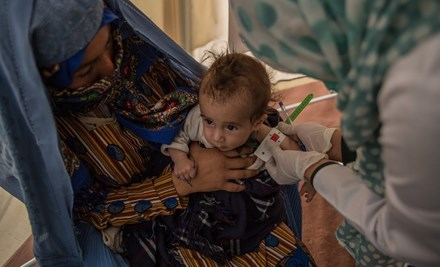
(199, 25)
(191, 23)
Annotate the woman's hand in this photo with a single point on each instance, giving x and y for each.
(315, 137)
(289, 166)
(215, 171)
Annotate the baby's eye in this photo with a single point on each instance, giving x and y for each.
(231, 127)
(208, 121)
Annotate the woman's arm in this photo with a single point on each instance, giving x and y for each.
(215, 170)
(165, 193)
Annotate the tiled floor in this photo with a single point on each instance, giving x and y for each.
(14, 225)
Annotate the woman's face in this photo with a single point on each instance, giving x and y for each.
(97, 62)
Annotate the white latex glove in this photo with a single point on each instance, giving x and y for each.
(314, 136)
(288, 166)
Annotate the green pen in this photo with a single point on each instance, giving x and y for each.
(298, 109)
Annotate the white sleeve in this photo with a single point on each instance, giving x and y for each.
(191, 131)
(405, 224)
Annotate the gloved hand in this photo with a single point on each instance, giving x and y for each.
(314, 136)
(288, 166)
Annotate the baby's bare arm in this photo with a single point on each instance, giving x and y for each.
(307, 191)
(287, 144)
(184, 167)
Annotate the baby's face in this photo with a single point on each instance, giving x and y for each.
(225, 125)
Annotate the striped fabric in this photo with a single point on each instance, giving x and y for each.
(119, 158)
(280, 248)
(115, 154)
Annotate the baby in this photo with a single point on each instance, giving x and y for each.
(233, 100)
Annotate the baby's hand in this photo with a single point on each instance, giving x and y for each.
(308, 191)
(185, 169)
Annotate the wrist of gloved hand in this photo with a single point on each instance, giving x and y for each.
(310, 174)
(314, 136)
(288, 166)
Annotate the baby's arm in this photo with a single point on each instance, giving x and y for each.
(184, 167)
(307, 191)
(287, 144)
(178, 150)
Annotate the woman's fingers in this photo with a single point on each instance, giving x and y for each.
(239, 163)
(240, 174)
(237, 153)
(233, 187)
(215, 171)
(192, 172)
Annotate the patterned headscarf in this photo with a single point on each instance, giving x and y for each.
(144, 88)
(349, 45)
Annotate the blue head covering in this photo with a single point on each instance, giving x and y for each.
(63, 77)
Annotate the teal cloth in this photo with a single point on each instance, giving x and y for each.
(349, 45)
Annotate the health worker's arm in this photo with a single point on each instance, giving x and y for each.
(405, 224)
